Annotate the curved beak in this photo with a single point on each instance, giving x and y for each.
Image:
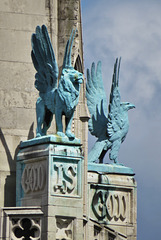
(79, 78)
(131, 106)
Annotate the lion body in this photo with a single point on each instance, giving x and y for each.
(59, 101)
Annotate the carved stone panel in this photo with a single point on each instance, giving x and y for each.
(33, 177)
(25, 228)
(64, 228)
(66, 177)
(31, 180)
(111, 205)
(21, 223)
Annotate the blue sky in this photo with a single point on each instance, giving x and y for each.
(132, 29)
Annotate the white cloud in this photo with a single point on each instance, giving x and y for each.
(130, 30)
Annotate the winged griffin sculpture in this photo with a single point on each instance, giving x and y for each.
(54, 98)
(109, 127)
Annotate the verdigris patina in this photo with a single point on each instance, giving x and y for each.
(109, 127)
(59, 99)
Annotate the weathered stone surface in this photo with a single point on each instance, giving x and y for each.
(21, 22)
(19, 78)
(17, 92)
(15, 99)
(112, 201)
(110, 168)
(50, 174)
(18, 20)
(19, 219)
(23, 7)
(58, 173)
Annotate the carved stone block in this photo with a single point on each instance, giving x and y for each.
(33, 177)
(31, 181)
(112, 201)
(50, 175)
(21, 223)
(111, 205)
(47, 170)
(64, 228)
(66, 177)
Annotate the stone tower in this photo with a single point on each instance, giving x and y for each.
(17, 92)
(102, 203)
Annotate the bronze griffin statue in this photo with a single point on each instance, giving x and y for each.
(55, 97)
(110, 125)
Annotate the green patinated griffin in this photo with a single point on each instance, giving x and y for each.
(109, 127)
(54, 98)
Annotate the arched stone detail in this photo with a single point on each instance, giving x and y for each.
(78, 64)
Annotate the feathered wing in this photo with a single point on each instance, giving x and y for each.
(68, 50)
(44, 61)
(97, 102)
(114, 119)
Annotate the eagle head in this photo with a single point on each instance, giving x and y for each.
(127, 106)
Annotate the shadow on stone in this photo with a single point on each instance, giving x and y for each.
(10, 181)
(31, 132)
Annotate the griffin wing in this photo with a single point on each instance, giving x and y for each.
(44, 60)
(97, 102)
(114, 120)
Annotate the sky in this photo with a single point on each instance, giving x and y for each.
(132, 29)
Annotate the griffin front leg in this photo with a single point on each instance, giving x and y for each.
(68, 121)
(59, 125)
(40, 114)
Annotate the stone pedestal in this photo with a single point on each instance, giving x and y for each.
(49, 174)
(112, 198)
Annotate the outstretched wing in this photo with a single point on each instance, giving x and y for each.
(114, 120)
(97, 102)
(44, 60)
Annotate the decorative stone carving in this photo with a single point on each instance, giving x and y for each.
(66, 177)
(99, 204)
(110, 205)
(49, 174)
(21, 223)
(33, 177)
(64, 228)
(116, 206)
(25, 228)
(112, 199)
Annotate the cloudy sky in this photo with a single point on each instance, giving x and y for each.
(132, 29)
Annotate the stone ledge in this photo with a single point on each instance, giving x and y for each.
(110, 168)
(50, 139)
